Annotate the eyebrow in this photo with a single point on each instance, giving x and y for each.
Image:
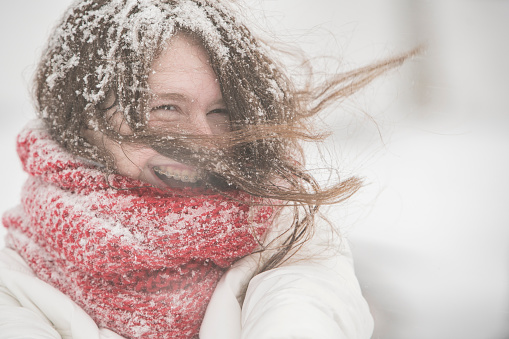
(172, 96)
(181, 97)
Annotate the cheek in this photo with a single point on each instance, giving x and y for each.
(219, 124)
(130, 160)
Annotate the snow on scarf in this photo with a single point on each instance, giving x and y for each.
(141, 261)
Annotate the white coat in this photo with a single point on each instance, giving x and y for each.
(316, 297)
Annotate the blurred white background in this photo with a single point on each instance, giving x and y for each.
(430, 231)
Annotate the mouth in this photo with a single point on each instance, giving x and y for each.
(177, 177)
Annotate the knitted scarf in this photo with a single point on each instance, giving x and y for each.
(139, 260)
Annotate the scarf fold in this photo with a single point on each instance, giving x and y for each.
(139, 260)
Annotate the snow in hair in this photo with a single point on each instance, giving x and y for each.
(134, 26)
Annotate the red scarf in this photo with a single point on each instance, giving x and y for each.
(139, 260)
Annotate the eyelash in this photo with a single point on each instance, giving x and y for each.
(220, 111)
(174, 108)
(165, 107)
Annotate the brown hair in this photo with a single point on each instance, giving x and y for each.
(107, 47)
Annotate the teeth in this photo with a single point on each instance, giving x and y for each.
(182, 175)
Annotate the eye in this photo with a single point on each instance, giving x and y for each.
(164, 113)
(165, 108)
(220, 111)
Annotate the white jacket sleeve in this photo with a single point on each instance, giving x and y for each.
(30, 308)
(306, 300)
(317, 295)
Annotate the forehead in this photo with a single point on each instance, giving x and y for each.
(183, 69)
(181, 53)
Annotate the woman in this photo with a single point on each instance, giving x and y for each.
(168, 150)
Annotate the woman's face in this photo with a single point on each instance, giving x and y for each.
(186, 99)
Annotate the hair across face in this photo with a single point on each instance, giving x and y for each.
(104, 51)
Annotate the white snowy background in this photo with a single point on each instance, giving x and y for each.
(430, 231)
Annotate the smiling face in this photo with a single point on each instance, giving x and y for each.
(186, 98)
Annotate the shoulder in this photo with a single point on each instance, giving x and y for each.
(314, 295)
(31, 308)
